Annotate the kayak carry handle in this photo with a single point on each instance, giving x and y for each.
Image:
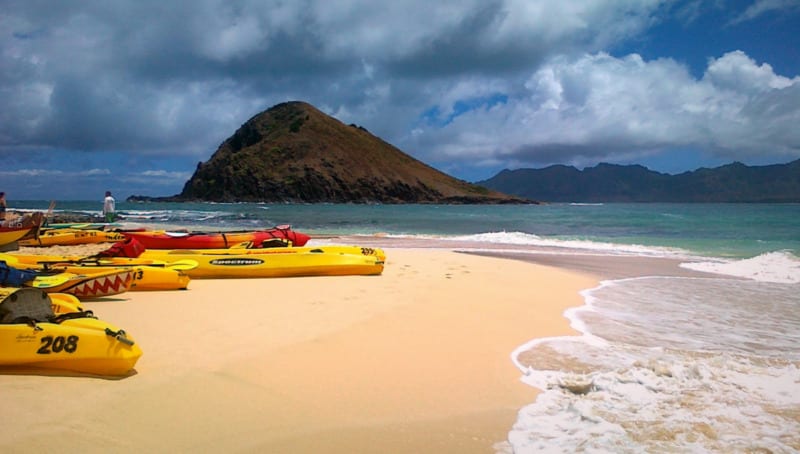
(119, 335)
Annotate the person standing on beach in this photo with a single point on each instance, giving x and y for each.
(109, 207)
(3, 206)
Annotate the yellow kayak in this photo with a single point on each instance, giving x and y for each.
(85, 286)
(19, 259)
(9, 235)
(63, 303)
(144, 277)
(65, 237)
(34, 337)
(247, 248)
(147, 274)
(16, 229)
(276, 262)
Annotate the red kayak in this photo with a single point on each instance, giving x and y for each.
(161, 239)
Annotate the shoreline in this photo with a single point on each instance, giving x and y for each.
(417, 359)
(606, 267)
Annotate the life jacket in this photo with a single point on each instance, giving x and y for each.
(13, 277)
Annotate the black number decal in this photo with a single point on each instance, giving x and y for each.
(45, 348)
(72, 344)
(138, 275)
(58, 344)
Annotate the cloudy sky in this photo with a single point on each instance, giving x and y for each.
(130, 95)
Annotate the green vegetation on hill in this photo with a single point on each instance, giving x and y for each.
(295, 153)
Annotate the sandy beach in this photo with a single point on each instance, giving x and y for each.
(415, 360)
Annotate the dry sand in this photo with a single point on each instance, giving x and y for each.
(415, 360)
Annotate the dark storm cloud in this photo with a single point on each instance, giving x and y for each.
(174, 79)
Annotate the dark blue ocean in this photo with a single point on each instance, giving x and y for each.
(673, 364)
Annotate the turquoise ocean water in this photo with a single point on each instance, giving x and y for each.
(672, 364)
(718, 230)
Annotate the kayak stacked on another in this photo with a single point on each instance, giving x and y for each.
(162, 239)
(34, 336)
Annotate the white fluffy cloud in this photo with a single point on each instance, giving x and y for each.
(455, 83)
(597, 106)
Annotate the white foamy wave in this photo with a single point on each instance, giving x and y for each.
(142, 215)
(690, 402)
(659, 369)
(778, 267)
(646, 311)
(584, 246)
(502, 237)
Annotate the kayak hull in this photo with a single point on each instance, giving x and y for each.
(147, 274)
(20, 228)
(144, 277)
(86, 286)
(80, 345)
(69, 237)
(160, 239)
(233, 264)
(68, 341)
(9, 235)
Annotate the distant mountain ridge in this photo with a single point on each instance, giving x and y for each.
(736, 182)
(293, 152)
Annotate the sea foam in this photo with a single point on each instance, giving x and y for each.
(778, 267)
(667, 364)
(569, 245)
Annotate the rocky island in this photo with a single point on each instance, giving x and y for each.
(295, 153)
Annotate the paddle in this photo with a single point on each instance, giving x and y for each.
(15, 275)
(183, 265)
(54, 280)
(9, 259)
(178, 265)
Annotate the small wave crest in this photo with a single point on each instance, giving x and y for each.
(778, 267)
(191, 218)
(567, 245)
